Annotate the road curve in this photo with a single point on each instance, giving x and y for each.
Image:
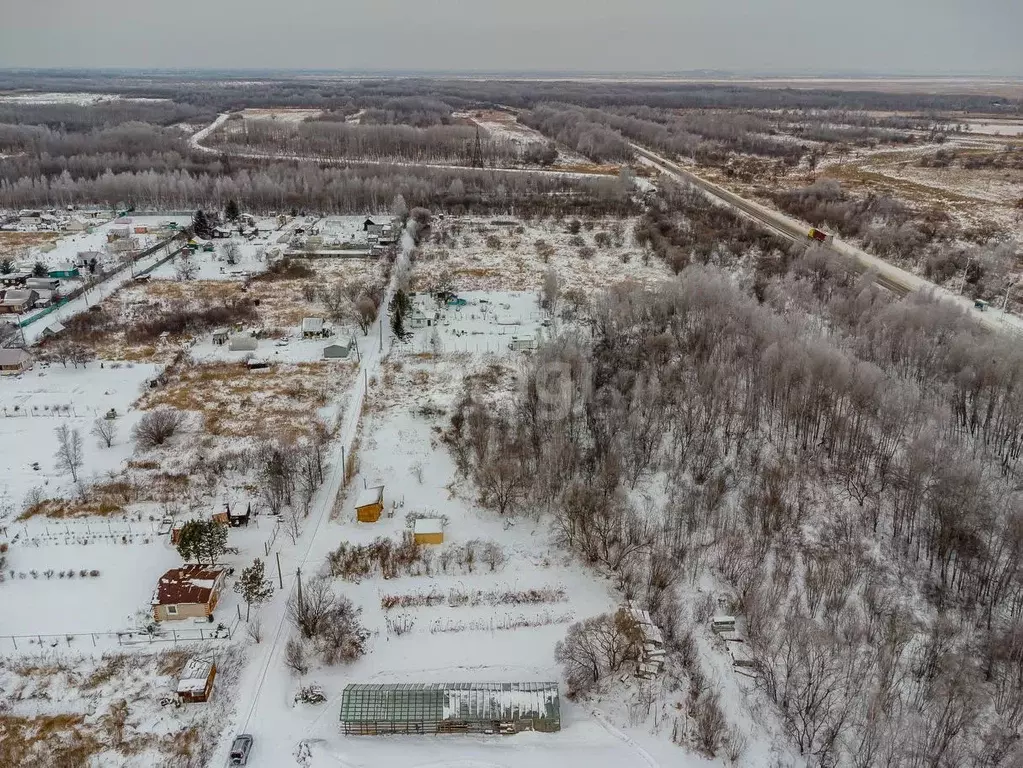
(893, 278)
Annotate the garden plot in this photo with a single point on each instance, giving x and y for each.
(276, 303)
(35, 403)
(249, 259)
(53, 590)
(106, 711)
(466, 254)
(488, 322)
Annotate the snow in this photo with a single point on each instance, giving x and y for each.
(488, 323)
(48, 605)
(428, 525)
(35, 403)
(369, 496)
(78, 99)
(996, 127)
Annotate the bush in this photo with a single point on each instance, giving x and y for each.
(156, 427)
(296, 656)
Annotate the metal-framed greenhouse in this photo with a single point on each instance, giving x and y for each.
(370, 709)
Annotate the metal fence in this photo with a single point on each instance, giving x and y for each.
(125, 637)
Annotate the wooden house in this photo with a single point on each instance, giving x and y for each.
(369, 504)
(429, 530)
(195, 683)
(188, 592)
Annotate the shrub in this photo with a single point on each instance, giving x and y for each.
(156, 427)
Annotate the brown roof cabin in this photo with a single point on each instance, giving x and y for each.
(196, 681)
(188, 592)
(369, 504)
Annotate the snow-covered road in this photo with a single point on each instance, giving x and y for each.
(200, 136)
(264, 696)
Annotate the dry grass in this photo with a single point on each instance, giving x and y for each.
(112, 497)
(15, 243)
(279, 402)
(61, 740)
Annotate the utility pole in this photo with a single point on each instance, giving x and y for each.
(280, 578)
(1005, 298)
(380, 320)
(299, 574)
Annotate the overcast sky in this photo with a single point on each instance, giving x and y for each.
(809, 36)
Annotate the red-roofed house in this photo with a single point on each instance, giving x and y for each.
(188, 592)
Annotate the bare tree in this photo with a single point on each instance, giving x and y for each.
(105, 431)
(69, 451)
(551, 291)
(341, 638)
(596, 647)
(310, 611)
(157, 427)
(186, 268)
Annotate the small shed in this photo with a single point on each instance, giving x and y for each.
(429, 530)
(220, 336)
(369, 504)
(523, 343)
(243, 343)
(196, 681)
(53, 329)
(337, 351)
(312, 327)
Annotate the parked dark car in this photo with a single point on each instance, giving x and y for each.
(240, 748)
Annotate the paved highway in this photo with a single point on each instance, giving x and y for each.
(897, 280)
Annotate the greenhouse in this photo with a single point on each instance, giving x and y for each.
(370, 709)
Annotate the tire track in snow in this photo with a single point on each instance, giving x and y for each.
(606, 725)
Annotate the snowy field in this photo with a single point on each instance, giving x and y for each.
(35, 403)
(996, 127)
(78, 99)
(284, 114)
(107, 710)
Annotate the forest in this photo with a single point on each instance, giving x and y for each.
(845, 461)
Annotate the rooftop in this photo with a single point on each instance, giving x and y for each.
(194, 675)
(429, 525)
(189, 584)
(12, 356)
(312, 325)
(403, 702)
(371, 495)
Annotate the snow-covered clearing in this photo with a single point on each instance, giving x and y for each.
(78, 99)
(284, 114)
(35, 403)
